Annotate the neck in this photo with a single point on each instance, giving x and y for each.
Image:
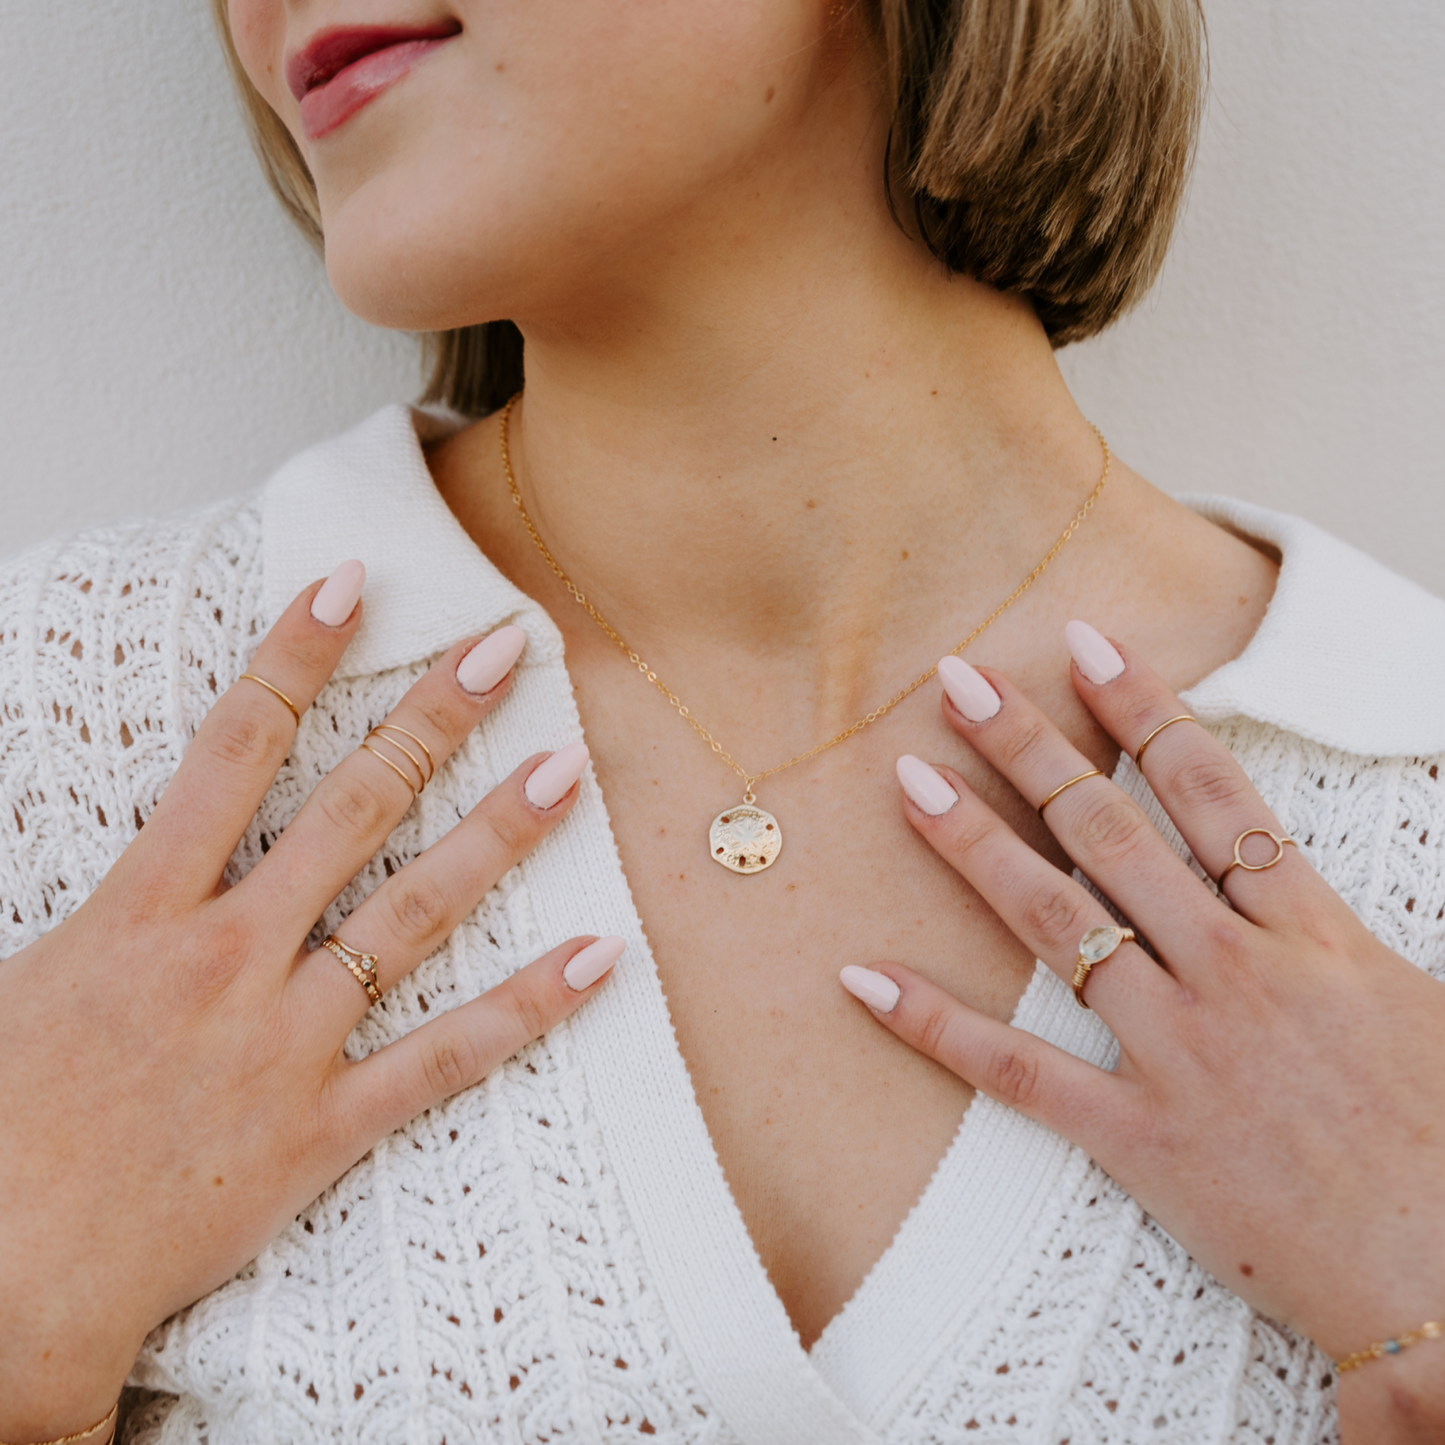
(804, 441)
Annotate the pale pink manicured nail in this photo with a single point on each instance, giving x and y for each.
(334, 603)
(491, 659)
(551, 778)
(924, 786)
(968, 690)
(876, 989)
(587, 965)
(1093, 653)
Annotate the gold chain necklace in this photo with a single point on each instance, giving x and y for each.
(745, 838)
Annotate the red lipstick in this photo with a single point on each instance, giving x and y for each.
(339, 71)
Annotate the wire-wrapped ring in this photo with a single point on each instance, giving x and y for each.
(1094, 947)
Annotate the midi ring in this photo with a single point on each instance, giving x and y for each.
(431, 767)
(1092, 773)
(275, 691)
(1280, 844)
(1168, 723)
(424, 775)
(361, 966)
(1094, 947)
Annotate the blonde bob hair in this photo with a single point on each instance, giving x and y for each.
(1041, 146)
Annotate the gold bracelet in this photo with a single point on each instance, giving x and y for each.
(109, 1419)
(1430, 1330)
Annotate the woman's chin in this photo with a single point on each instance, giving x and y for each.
(400, 291)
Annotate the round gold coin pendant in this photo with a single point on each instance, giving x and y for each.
(745, 839)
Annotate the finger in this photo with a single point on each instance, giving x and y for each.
(430, 1064)
(1101, 828)
(1196, 779)
(1047, 911)
(1085, 1104)
(245, 737)
(415, 910)
(354, 808)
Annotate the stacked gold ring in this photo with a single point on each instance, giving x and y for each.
(361, 966)
(424, 775)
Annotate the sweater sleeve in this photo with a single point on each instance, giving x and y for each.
(113, 645)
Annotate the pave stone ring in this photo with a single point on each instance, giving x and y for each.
(361, 966)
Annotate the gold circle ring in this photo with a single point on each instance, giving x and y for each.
(361, 966)
(1168, 723)
(274, 691)
(1063, 787)
(1280, 844)
(1095, 946)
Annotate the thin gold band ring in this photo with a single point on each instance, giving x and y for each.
(1092, 773)
(275, 691)
(361, 966)
(382, 758)
(405, 751)
(407, 733)
(1280, 844)
(1169, 723)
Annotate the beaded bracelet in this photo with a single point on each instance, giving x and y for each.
(1431, 1330)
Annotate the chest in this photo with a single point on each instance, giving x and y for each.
(827, 1128)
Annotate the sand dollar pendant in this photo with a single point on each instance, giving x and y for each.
(746, 838)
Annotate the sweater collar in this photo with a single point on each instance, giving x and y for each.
(368, 494)
(1348, 654)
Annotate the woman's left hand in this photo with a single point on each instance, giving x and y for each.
(1279, 1101)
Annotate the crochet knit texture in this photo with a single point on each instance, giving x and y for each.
(482, 1275)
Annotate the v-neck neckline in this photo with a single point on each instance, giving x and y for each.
(984, 1195)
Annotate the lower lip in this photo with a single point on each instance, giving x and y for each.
(328, 106)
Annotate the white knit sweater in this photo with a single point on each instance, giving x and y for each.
(554, 1255)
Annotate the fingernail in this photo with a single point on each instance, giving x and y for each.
(587, 965)
(876, 989)
(1093, 653)
(491, 660)
(924, 786)
(551, 778)
(968, 690)
(333, 604)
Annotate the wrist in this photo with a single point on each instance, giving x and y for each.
(48, 1393)
(1396, 1399)
(101, 1432)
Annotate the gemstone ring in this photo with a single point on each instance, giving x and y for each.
(1094, 947)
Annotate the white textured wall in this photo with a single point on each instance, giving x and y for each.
(167, 339)
(1293, 352)
(165, 335)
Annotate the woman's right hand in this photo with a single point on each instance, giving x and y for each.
(171, 1068)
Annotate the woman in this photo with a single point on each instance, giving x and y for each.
(790, 277)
